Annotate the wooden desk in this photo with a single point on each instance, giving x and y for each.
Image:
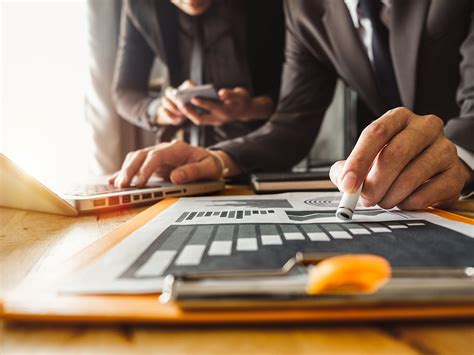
(33, 241)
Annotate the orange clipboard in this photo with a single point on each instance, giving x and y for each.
(38, 301)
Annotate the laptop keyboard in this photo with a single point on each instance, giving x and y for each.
(99, 189)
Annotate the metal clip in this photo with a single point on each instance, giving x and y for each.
(329, 273)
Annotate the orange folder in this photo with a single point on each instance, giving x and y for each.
(38, 299)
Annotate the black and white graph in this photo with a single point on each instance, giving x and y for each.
(195, 248)
(263, 232)
(227, 214)
(249, 203)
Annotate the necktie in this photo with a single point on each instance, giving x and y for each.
(197, 52)
(198, 134)
(383, 65)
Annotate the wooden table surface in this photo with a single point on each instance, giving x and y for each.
(31, 242)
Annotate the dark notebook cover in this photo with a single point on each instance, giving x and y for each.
(291, 176)
(292, 181)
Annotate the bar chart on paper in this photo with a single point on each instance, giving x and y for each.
(197, 247)
(229, 233)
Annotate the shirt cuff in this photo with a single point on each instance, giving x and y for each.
(468, 158)
(153, 111)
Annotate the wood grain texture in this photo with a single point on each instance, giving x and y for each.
(232, 340)
(34, 241)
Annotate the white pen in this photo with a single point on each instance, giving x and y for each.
(347, 206)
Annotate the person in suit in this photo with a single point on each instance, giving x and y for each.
(412, 64)
(200, 42)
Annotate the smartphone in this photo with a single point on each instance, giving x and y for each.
(206, 92)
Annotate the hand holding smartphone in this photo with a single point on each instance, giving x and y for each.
(206, 92)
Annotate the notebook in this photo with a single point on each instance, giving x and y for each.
(293, 181)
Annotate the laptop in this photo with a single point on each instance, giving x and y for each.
(20, 190)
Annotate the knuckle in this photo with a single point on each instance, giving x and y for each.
(155, 154)
(447, 153)
(137, 154)
(402, 111)
(159, 146)
(449, 148)
(201, 151)
(434, 122)
(375, 130)
(178, 143)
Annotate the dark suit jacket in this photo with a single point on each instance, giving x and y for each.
(149, 30)
(432, 45)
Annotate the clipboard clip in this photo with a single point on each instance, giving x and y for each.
(327, 274)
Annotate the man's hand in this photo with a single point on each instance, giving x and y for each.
(177, 161)
(403, 160)
(235, 104)
(169, 112)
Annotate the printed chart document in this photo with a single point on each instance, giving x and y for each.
(262, 232)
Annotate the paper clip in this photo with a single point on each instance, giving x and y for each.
(328, 274)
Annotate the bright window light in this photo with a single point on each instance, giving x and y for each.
(44, 76)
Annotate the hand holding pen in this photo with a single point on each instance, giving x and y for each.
(405, 160)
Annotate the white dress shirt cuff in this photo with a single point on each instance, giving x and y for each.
(153, 109)
(466, 156)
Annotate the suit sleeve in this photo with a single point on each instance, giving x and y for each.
(307, 89)
(132, 70)
(460, 129)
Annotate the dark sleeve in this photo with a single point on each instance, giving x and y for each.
(461, 129)
(132, 71)
(307, 90)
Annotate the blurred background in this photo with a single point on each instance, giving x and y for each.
(57, 119)
(44, 75)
